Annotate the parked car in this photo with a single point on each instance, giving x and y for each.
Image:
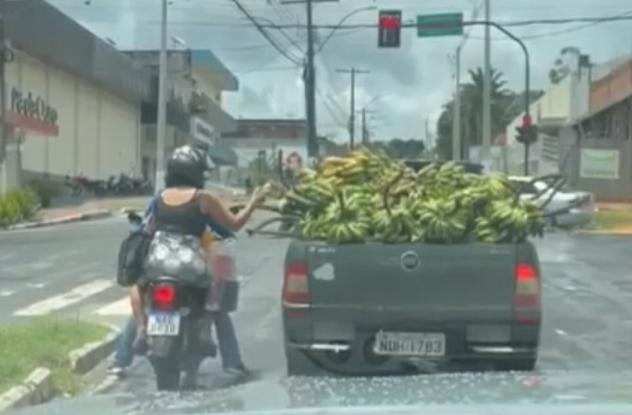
(582, 204)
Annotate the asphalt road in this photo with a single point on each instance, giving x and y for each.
(587, 295)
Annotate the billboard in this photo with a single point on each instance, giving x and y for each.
(599, 164)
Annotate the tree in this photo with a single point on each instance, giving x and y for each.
(401, 149)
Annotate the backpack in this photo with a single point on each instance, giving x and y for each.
(131, 257)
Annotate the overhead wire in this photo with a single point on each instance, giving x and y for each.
(265, 34)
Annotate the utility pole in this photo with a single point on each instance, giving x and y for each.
(365, 129)
(161, 127)
(3, 98)
(310, 87)
(353, 71)
(309, 75)
(456, 111)
(487, 116)
(364, 132)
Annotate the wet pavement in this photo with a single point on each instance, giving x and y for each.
(585, 350)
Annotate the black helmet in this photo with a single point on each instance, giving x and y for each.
(187, 166)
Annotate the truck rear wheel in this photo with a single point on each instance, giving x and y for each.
(298, 364)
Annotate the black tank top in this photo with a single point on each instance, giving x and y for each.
(186, 218)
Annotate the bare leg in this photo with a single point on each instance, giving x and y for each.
(136, 302)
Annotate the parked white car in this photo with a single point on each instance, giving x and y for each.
(583, 203)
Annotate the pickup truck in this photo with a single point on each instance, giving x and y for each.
(375, 308)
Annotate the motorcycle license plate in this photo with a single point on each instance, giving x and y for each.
(163, 324)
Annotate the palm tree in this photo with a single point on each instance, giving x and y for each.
(472, 101)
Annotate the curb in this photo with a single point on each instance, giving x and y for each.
(38, 386)
(78, 217)
(85, 358)
(606, 233)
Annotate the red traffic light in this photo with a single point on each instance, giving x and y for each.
(390, 22)
(526, 121)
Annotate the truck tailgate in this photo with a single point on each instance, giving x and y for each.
(466, 282)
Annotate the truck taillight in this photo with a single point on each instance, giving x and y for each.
(164, 296)
(527, 294)
(295, 285)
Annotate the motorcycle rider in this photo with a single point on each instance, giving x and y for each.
(182, 212)
(226, 336)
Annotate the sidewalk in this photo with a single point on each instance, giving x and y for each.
(107, 204)
(613, 219)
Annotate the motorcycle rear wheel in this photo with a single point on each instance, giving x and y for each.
(167, 376)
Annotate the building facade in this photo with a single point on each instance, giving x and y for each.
(255, 138)
(196, 80)
(73, 102)
(561, 104)
(599, 145)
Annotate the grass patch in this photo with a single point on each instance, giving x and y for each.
(613, 219)
(44, 342)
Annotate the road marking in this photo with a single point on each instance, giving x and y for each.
(121, 307)
(37, 284)
(6, 293)
(64, 300)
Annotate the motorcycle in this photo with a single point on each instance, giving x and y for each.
(174, 317)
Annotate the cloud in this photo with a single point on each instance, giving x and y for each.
(416, 79)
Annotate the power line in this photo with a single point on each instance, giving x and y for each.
(514, 23)
(265, 34)
(284, 34)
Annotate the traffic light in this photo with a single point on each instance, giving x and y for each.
(390, 29)
(527, 132)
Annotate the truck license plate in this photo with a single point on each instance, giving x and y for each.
(163, 324)
(410, 344)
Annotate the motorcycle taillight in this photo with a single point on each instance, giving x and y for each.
(164, 296)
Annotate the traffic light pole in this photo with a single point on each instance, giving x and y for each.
(527, 81)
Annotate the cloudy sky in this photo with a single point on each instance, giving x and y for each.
(405, 88)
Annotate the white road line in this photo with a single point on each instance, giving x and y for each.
(37, 284)
(64, 300)
(121, 307)
(6, 293)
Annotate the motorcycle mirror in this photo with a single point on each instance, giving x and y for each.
(134, 218)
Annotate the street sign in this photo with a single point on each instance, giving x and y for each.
(444, 24)
(390, 28)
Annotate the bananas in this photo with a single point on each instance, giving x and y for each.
(367, 196)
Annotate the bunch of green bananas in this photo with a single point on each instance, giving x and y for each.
(369, 196)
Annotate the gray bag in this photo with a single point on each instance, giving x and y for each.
(177, 255)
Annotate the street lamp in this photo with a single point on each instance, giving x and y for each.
(340, 23)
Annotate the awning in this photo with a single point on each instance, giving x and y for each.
(222, 155)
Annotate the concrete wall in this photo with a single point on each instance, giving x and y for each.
(99, 133)
(564, 102)
(572, 142)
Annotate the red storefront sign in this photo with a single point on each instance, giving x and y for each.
(32, 114)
